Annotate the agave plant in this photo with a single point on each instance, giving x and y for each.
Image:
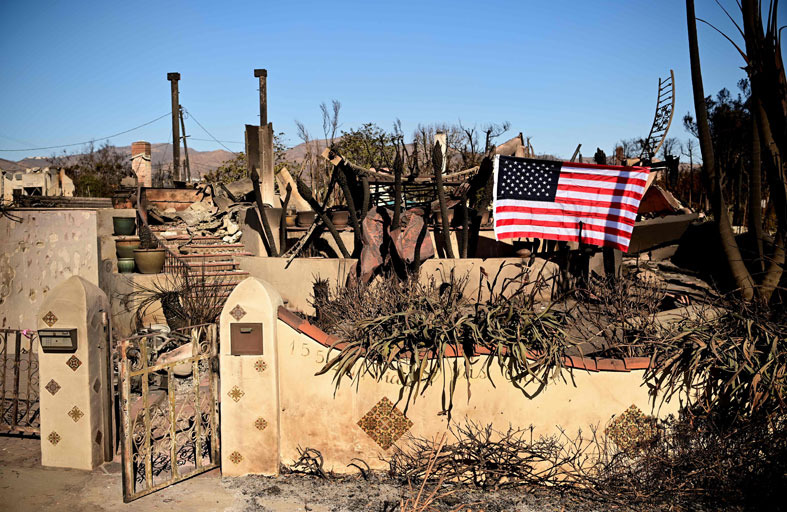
(432, 331)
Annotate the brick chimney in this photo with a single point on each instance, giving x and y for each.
(140, 163)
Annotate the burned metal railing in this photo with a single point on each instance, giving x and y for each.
(19, 382)
(169, 408)
(172, 263)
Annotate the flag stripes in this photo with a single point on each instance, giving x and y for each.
(597, 204)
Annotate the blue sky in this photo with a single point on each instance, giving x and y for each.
(561, 72)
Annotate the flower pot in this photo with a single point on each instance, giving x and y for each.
(149, 261)
(125, 265)
(305, 219)
(124, 226)
(289, 220)
(340, 218)
(124, 247)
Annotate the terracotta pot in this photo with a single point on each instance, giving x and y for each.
(149, 261)
(305, 219)
(340, 218)
(125, 265)
(124, 247)
(124, 225)
(289, 220)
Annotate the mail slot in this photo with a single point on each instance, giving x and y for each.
(58, 340)
(245, 339)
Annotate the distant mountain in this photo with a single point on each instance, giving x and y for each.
(201, 162)
(8, 165)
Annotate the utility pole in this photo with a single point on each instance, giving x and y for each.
(173, 80)
(185, 145)
(262, 74)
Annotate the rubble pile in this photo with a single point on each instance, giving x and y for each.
(217, 214)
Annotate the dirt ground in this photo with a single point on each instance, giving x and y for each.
(26, 485)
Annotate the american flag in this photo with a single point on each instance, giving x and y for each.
(566, 200)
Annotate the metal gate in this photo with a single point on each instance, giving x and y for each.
(20, 409)
(169, 408)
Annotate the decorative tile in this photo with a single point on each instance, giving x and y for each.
(385, 424)
(238, 312)
(631, 429)
(50, 319)
(236, 393)
(74, 363)
(260, 424)
(260, 365)
(53, 387)
(75, 414)
(99, 437)
(96, 385)
(236, 457)
(54, 437)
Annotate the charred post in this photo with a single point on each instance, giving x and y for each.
(173, 80)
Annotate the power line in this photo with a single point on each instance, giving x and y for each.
(212, 140)
(93, 140)
(206, 131)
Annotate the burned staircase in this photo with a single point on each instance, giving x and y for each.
(207, 259)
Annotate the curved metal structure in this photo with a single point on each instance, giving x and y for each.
(665, 109)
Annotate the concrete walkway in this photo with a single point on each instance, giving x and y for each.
(26, 485)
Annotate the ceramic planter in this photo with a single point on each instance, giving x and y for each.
(149, 261)
(125, 265)
(124, 226)
(289, 220)
(340, 218)
(305, 219)
(124, 247)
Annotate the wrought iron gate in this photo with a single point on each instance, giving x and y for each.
(20, 408)
(169, 408)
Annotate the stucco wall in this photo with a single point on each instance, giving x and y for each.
(295, 283)
(36, 254)
(315, 414)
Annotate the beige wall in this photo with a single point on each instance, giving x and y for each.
(295, 283)
(313, 414)
(38, 253)
(249, 384)
(280, 385)
(76, 426)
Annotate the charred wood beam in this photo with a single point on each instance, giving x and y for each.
(266, 226)
(348, 196)
(306, 193)
(283, 222)
(438, 163)
(397, 191)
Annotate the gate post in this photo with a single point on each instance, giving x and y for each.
(76, 428)
(250, 440)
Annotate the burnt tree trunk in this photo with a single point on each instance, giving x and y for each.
(739, 271)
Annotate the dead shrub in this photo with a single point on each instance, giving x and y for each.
(731, 362)
(690, 464)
